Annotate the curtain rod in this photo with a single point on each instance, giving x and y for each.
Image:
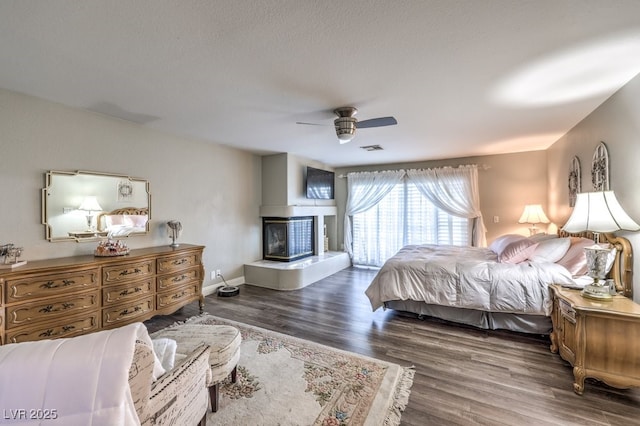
(480, 167)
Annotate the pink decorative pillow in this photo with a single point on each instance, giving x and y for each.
(139, 220)
(518, 251)
(115, 219)
(499, 244)
(551, 250)
(575, 260)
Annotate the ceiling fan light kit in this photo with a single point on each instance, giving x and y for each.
(345, 129)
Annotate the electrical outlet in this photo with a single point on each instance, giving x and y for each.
(213, 275)
(218, 274)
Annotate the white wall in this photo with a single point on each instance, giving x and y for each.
(213, 190)
(616, 123)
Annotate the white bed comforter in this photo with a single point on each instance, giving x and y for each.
(466, 277)
(76, 381)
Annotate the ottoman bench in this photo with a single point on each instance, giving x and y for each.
(224, 341)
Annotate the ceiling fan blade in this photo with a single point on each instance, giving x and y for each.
(310, 124)
(376, 122)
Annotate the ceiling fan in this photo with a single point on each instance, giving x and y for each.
(346, 123)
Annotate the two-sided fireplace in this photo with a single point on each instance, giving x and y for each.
(287, 238)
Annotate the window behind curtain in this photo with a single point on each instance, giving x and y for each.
(403, 217)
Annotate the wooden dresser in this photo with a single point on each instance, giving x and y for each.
(70, 296)
(600, 340)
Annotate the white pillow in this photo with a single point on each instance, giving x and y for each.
(541, 236)
(499, 244)
(165, 352)
(551, 250)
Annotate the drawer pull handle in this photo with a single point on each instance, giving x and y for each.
(52, 284)
(180, 278)
(179, 261)
(51, 308)
(132, 311)
(126, 292)
(128, 272)
(50, 332)
(179, 295)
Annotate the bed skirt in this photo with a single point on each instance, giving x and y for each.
(523, 323)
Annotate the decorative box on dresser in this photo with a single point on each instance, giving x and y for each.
(600, 339)
(70, 296)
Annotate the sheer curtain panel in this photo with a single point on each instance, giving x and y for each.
(365, 190)
(455, 191)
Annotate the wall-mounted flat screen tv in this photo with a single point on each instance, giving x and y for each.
(319, 184)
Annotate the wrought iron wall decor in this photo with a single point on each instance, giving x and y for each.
(575, 180)
(600, 168)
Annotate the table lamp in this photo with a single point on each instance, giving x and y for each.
(598, 212)
(533, 214)
(91, 206)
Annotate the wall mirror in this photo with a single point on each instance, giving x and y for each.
(85, 206)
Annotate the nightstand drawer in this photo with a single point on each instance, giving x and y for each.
(567, 311)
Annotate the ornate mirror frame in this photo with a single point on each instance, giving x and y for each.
(575, 180)
(600, 168)
(124, 206)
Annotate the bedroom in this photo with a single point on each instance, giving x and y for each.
(223, 185)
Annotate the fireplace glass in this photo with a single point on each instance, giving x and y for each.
(287, 238)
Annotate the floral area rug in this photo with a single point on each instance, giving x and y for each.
(283, 380)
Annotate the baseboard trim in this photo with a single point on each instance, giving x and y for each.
(213, 288)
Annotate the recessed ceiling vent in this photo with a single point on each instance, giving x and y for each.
(372, 148)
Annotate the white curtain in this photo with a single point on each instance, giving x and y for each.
(454, 190)
(365, 190)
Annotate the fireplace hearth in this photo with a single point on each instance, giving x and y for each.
(287, 239)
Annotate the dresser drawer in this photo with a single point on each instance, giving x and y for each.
(69, 327)
(128, 272)
(47, 285)
(178, 296)
(137, 310)
(117, 294)
(51, 309)
(167, 282)
(178, 263)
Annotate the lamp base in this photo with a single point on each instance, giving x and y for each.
(597, 292)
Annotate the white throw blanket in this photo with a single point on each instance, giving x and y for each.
(75, 381)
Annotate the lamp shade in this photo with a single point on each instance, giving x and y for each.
(599, 212)
(90, 204)
(533, 213)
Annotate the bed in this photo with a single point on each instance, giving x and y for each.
(124, 221)
(504, 286)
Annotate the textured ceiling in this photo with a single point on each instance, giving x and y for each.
(462, 77)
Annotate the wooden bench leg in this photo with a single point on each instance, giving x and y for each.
(214, 390)
(203, 420)
(213, 396)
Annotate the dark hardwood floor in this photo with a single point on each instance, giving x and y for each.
(464, 376)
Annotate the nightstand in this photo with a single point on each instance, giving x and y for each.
(600, 340)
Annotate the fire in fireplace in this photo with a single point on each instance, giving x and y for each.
(287, 238)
